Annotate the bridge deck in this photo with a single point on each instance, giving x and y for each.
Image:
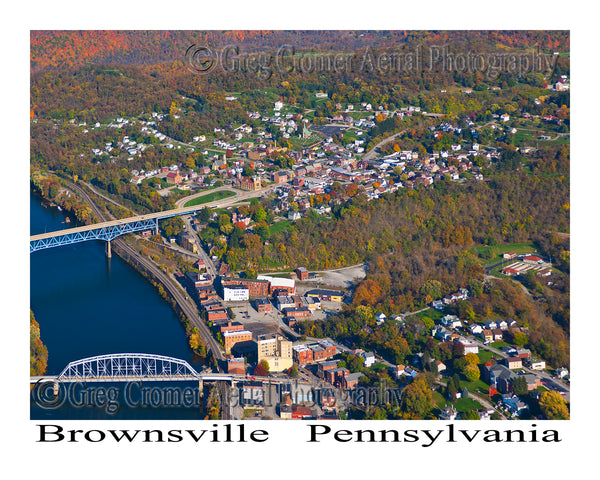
(113, 223)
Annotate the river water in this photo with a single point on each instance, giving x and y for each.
(88, 305)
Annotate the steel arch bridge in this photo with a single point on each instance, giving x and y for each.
(125, 367)
(104, 232)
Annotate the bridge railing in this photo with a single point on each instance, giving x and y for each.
(106, 233)
(126, 367)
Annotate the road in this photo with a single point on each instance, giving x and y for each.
(210, 266)
(239, 195)
(546, 379)
(151, 216)
(184, 302)
(370, 155)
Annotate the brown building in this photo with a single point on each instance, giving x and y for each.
(279, 177)
(326, 365)
(231, 327)
(230, 338)
(302, 273)
(299, 412)
(174, 178)
(257, 154)
(188, 242)
(335, 375)
(256, 288)
(297, 312)
(351, 381)
(250, 183)
(217, 316)
(236, 366)
(302, 355)
(262, 305)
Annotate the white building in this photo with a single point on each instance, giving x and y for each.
(369, 358)
(235, 293)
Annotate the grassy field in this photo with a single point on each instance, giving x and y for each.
(279, 226)
(466, 404)
(494, 252)
(210, 197)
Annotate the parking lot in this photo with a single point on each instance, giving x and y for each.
(258, 323)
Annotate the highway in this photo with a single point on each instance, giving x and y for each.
(186, 304)
(241, 195)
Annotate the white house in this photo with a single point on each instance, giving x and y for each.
(369, 358)
(561, 372)
(451, 321)
(491, 324)
(476, 329)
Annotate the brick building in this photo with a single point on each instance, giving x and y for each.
(230, 338)
(302, 273)
(256, 288)
(262, 305)
(236, 365)
(297, 312)
(302, 355)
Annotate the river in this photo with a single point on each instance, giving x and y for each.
(89, 305)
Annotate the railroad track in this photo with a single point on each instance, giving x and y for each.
(189, 309)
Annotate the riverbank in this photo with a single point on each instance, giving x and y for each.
(145, 269)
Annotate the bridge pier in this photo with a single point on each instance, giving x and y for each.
(108, 250)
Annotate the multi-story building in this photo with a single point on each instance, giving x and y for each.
(276, 350)
(230, 338)
(250, 183)
(285, 302)
(235, 293)
(256, 288)
(302, 355)
(281, 284)
(236, 365)
(262, 305)
(188, 242)
(302, 273)
(326, 365)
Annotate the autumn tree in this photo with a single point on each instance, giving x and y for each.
(553, 406)
(471, 372)
(417, 398)
(367, 293)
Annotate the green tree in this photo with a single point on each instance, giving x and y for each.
(259, 215)
(520, 338)
(433, 288)
(470, 415)
(519, 385)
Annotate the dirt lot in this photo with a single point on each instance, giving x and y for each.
(341, 278)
